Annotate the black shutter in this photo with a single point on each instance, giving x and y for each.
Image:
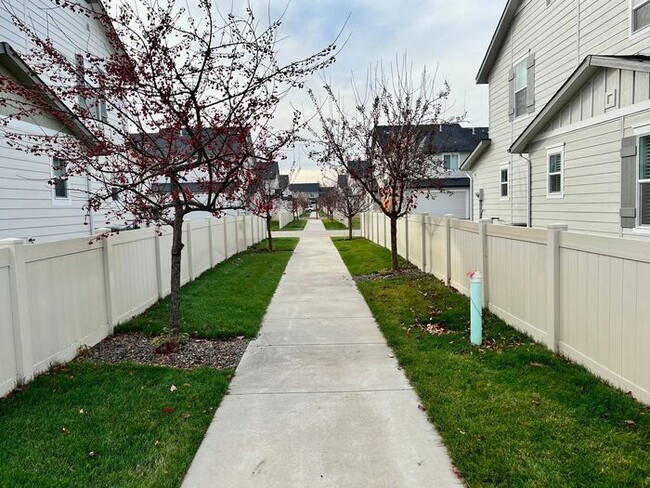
(628, 183)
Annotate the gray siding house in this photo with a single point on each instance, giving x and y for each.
(569, 86)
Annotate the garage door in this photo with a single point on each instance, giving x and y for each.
(456, 202)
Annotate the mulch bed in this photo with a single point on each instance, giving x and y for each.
(137, 348)
(413, 272)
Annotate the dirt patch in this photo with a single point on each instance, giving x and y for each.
(413, 272)
(138, 348)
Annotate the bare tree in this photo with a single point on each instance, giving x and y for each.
(382, 143)
(353, 200)
(175, 119)
(329, 199)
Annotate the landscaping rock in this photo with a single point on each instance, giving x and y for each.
(138, 348)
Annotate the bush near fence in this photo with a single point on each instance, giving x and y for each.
(583, 296)
(59, 296)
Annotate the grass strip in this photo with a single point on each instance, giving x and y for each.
(226, 301)
(511, 412)
(331, 224)
(89, 424)
(298, 224)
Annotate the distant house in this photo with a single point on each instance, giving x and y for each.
(449, 189)
(30, 208)
(311, 191)
(569, 117)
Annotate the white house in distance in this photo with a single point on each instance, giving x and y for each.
(29, 207)
(569, 86)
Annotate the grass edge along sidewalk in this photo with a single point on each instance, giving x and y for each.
(511, 413)
(125, 425)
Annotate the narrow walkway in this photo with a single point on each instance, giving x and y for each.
(318, 399)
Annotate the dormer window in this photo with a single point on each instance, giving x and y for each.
(450, 161)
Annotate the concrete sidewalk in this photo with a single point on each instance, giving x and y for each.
(318, 399)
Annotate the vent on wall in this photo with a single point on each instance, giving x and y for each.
(610, 99)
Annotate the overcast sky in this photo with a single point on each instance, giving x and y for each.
(448, 35)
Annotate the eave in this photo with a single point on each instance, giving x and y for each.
(499, 37)
(476, 154)
(24, 75)
(583, 73)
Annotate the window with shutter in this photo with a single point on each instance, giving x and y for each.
(555, 173)
(644, 181)
(521, 87)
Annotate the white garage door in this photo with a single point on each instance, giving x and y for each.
(456, 202)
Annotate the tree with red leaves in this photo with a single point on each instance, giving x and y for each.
(265, 201)
(352, 200)
(329, 200)
(176, 119)
(382, 143)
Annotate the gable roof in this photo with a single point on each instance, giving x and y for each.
(25, 76)
(503, 27)
(583, 73)
(305, 187)
(442, 138)
(475, 154)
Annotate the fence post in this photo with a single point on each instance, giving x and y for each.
(553, 284)
(406, 236)
(159, 263)
(424, 242)
(386, 231)
(107, 258)
(225, 237)
(447, 268)
(483, 246)
(211, 243)
(190, 256)
(20, 309)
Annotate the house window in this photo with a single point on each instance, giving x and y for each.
(640, 14)
(521, 87)
(554, 171)
(60, 181)
(450, 161)
(504, 182)
(115, 193)
(644, 181)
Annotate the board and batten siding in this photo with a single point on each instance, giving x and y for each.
(560, 35)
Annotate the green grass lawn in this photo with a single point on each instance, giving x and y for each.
(294, 225)
(511, 412)
(91, 424)
(87, 424)
(356, 222)
(333, 224)
(226, 301)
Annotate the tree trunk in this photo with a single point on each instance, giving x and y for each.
(349, 228)
(268, 232)
(393, 244)
(175, 294)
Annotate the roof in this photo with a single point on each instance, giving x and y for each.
(583, 73)
(25, 76)
(272, 171)
(442, 138)
(476, 154)
(305, 187)
(503, 27)
(462, 182)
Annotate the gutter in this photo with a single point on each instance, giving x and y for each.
(476, 154)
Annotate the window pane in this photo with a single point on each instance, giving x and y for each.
(504, 175)
(504, 189)
(555, 184)
(642, 17)
(520, 103)
(644, 203)
(644, 158)
(555, 163)
(60, 185)
(521, 75)
(451, 161)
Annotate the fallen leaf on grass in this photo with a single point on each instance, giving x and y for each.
(65, 431)
(536, 365)
(186, 415)
(81, 411)
(537, 403)
(630, 422)
(173, 388)
(168, 410)
(422, 407)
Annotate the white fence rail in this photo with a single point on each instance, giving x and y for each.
(58, 296)
(586, 297)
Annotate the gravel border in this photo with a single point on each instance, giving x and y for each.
(413, 272)
(138, 348)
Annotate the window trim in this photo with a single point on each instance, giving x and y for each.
(551, 151)
(631, 32)
(504, 166)
(523, 59)
(640, 182)
(67, 200)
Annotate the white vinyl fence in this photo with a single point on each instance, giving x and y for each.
(584, 296)
(59, 296)
(284, 218)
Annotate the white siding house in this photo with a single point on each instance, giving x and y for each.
(29, 207)
(568, 84)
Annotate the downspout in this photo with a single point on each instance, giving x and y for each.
(529, 191)
(471, 195)
(91, 216)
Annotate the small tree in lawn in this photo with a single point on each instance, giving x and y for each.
(175, 115)
(265, 201)
(381, 143)
(298, 204)
(328, 200)
(353, 200)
